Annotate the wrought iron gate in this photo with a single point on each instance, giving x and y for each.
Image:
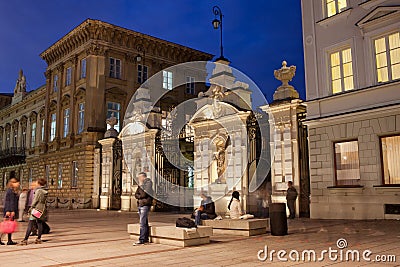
(169, 178)
(116, 187)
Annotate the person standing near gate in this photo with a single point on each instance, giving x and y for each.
(291, 196)
(144, 198)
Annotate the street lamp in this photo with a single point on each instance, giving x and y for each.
(140, 50)
(217, 23)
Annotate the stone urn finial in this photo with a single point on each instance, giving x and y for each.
(285, 74)
(111, 133)
(112, 121)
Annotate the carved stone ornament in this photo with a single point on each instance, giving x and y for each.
(20, 86)
(285, 75)
(137, 116)
(96, 50)
(112, 121)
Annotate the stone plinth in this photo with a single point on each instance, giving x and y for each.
(175, 236)
(240, 227)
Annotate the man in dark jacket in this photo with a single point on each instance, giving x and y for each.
(144, 199)
(206, 210)
(291, 196)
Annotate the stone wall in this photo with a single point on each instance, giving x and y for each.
(367, 201)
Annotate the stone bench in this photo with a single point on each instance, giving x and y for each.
(240, 227)
(174, 236)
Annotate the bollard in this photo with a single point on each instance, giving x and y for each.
(278, 219)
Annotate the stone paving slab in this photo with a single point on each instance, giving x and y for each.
(91, 238)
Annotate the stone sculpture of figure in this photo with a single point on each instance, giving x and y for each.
(218, 164)
(20, 85)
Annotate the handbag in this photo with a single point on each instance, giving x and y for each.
(8, 226)
(36, 213)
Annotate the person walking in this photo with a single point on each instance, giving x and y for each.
(144, 198)
(28, 205)
(21, 204)
(11, 205)
(291, 196)
(39, 203)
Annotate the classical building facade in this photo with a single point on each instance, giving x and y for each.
(352, 63)
(92, 73)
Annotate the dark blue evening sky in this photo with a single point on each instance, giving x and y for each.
(258, 35)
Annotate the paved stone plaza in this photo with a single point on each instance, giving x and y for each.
(100, 238)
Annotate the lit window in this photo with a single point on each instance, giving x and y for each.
(167, 80)
(115, 68)
(83, 68)
(142, 71)
(341, 71)
(81, 117)
(23, 137)
(55, 83)
(347, 163)
(59, 180)
(8, 140)
(33, 135)
(15, 137)
(30, 176)
(334, 7)
(74, 178)
(53, 126)
(68, 76)
(113, 110)
(190, 85)
(391, 155)
(166, 121)
(66, 122)
(387, 54)
(42, 137)
(47, 174)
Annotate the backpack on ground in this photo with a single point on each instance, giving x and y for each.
(185, 223)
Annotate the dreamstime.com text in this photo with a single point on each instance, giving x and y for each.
(339, 254)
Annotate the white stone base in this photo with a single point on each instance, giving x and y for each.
(240, 227)
(175, 236)
(104, 202)
(126, 203)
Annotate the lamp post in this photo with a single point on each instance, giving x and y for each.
(217, 23)
(142, 77)
(140, 50)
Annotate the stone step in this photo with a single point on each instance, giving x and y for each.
(248, 227)
(175, 236)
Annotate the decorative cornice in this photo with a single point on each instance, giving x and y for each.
(96, 50)
(60, 68)
(47, 74)
(91, 31)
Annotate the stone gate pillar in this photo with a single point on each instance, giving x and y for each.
(284, 135)
(106, 172)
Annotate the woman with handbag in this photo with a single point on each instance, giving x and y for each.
(38, 212)
(11, 206)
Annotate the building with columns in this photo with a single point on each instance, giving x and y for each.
(352, 63)
(92, 73)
